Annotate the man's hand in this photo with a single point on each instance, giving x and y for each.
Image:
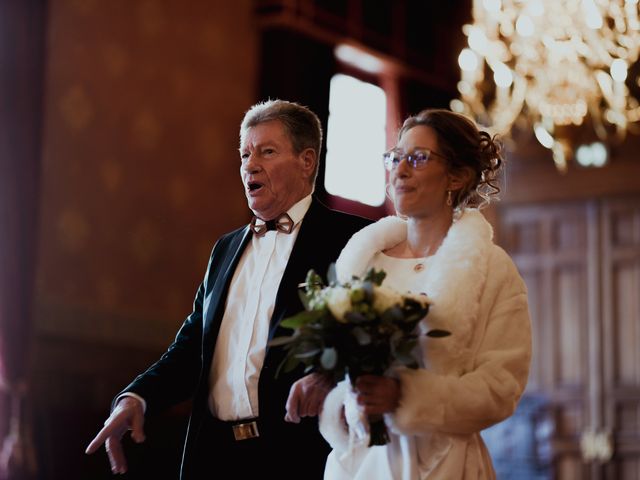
(307, 396)
(127, 415)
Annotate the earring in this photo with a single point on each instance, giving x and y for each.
(449, 199)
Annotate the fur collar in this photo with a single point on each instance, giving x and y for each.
(457, 273)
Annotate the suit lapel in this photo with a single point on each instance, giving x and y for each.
(297, 266)
(217, 297)
(294, 274)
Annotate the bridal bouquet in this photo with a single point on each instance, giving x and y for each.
(354, 328)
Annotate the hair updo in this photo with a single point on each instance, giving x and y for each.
(465, 148)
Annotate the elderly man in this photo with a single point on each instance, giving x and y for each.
(220, 358)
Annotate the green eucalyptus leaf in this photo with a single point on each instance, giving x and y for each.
(290, 364)
(278, 341)
(393, 315)
(355, 317)
(308, 353)
(362, 337)
(329, 358)
(412, 318)
(304, 298)
(302, 318)
(375, 276)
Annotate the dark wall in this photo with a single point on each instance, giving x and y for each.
(140, 176)
(298, 68)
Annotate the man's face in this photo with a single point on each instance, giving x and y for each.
(273, 175)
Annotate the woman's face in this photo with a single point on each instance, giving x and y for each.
(420, 192)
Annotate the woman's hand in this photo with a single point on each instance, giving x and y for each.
(378, 394)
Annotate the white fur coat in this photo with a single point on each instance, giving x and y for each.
(470, 380)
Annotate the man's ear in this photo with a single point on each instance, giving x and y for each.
(309, 160)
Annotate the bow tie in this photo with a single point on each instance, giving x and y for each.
(283, 224)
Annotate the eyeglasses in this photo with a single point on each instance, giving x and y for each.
(418, 158)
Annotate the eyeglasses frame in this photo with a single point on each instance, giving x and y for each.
(407, 156)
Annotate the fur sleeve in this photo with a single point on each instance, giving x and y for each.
(332, 426)
(489, 390)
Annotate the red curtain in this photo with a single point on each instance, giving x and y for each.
(22, 33)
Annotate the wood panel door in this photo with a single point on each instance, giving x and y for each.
(552, 246)
(620, 232)
(581, 264)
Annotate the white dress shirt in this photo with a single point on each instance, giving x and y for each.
(240, 349)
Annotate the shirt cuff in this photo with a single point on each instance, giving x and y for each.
(134, 395)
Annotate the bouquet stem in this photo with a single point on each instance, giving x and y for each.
(378, 434)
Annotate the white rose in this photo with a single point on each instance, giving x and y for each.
(318, 300)
(384, 298)
(339, 302)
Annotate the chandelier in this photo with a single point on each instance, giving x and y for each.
(552, 65)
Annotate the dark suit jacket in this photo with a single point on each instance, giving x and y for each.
(182, 372)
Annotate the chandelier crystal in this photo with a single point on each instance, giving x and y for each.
(554, 64)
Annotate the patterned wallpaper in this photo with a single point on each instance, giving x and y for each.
(143, 100)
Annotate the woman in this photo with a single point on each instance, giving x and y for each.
(441, 172)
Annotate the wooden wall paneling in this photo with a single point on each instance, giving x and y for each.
(142, 104)
(620, 227)
(594, 305)
(71, 398)
(534, 280)
(581, 263)
(521, 235)
(570, 245)
(552, 245)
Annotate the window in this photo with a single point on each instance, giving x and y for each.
(356, 139)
